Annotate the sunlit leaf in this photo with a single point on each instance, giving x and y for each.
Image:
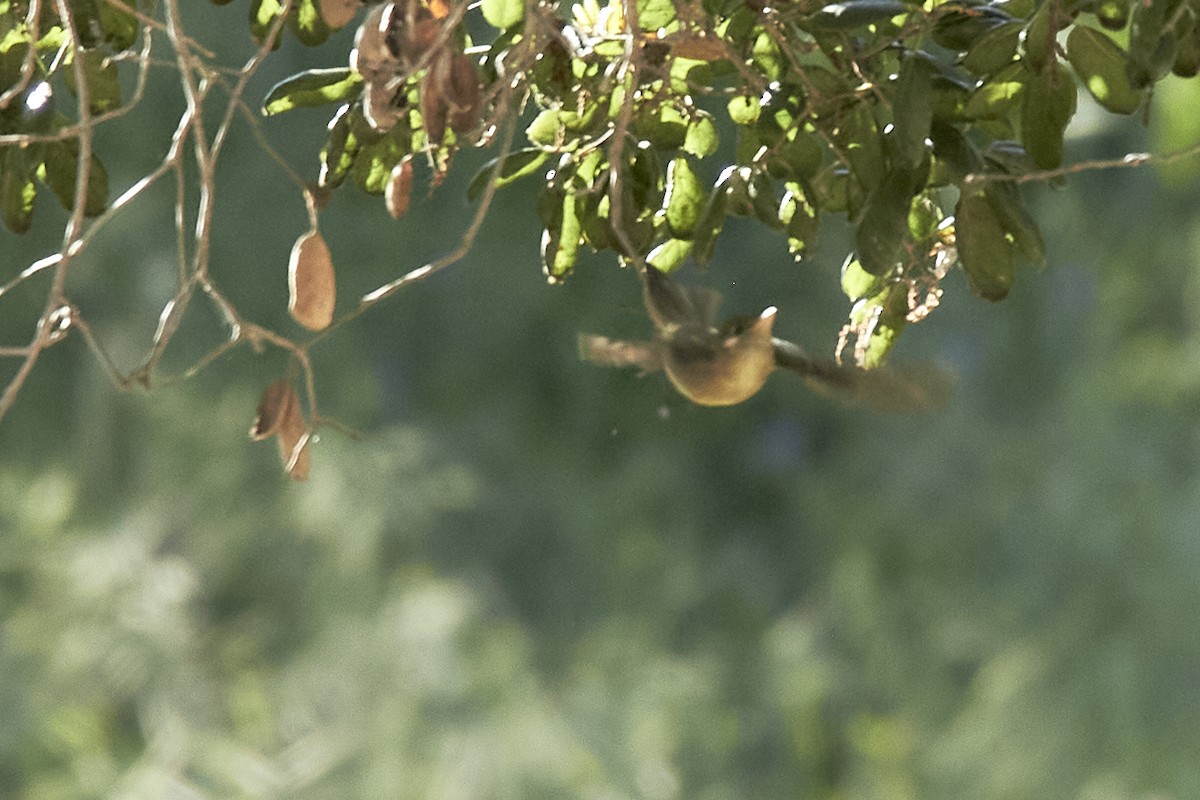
(314, 87)
(516, 165)
(1100, 64)
(685, 198)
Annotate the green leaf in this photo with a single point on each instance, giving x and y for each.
(960, 25)
(517, 165)
(341, 148)
(1017, 221)
(797, 157)
(983, 248)
(853, 14)
(701, 138)
(17, 190)
(312, 88)
(263, 14)
(503, 14)
(60, 172)
(664, 126)
(669, 255)
(120, 27)
(560, 242)
(307, 24)
(1046, 108)
(884, 222)
(993, 50)
(998, 95)
(1100, 64)
(857, 283)
(1040, 34)
(103, 84)
(1152, 42)
(800, 220)
(684, 200)
(744, 110)
(655, 14)
(912, 110)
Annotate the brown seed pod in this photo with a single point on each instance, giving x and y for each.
(460, 86)
(399, 188)
(371, 53)
(294, 441)
(433, 104)
(272, 409)
(338, 13)
(312, 289)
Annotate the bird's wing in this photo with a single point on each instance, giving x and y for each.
(616, 353)
(914, 387)
(670, 303)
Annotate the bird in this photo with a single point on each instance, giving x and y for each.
(723, 364)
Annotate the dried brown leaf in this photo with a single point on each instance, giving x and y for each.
(460, 86)
(312, 290)
(338, 13)
(272, 409)
(294, 440)
(433, 104)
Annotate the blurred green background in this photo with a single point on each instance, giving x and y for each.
(532, 578)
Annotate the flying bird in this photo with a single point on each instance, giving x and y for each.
(723, 364)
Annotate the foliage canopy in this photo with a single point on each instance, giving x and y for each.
(649, 123)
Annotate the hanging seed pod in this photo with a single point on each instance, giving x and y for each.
(460, 87)
(272, 409)
(434, 110)
(294, 440)
(338, 13)
(399, 187)
(312, 289)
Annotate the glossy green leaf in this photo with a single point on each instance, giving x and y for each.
(307, 24)
(1046, 108)
(853, 14)
(263, 14)
(560, 242)
(701, 138)
(983, 248)
(744, 110)
(517, 165)
(655, 14)
(1100, 64)
(503, 14)
(340, 150)
(60, 172)
(312, 88)
(669, 255)
(685, 198)
(857, 283)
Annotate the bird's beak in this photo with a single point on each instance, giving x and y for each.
(765, 324)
